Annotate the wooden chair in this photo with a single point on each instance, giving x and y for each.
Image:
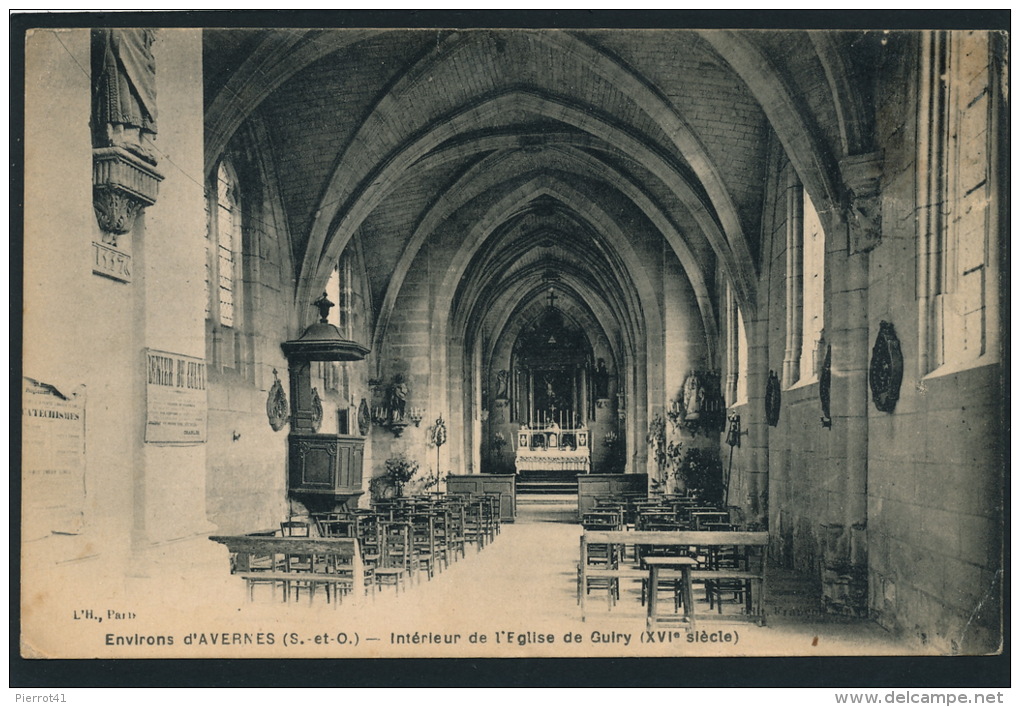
(441, 535)
(296, 563)
(423, 540)
(455, 533)
(476, 529)
(397, 559)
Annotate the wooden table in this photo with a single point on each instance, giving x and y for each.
(705, 541)
(684, 564)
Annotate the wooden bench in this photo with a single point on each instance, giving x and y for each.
(698, 541)
(335, 564)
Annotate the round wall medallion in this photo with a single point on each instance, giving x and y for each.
(364, 419)
(277, 409)
(886, 372)
(773, 399)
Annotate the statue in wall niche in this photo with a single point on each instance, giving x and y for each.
(693, 396)
(398, 398)
(502, 378)
(124, 90)
(601, 376)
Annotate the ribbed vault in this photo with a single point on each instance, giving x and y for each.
(474, 170)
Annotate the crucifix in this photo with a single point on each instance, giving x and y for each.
(552, 298)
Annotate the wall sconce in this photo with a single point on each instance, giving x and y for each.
(675, 414)
(416, 415)
(382, 417)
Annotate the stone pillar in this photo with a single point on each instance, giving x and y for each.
(844, 536)
(757, 481)
(169, 249)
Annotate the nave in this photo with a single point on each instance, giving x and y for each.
(281, 272)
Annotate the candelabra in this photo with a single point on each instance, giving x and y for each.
(675, 414)
(394, 421)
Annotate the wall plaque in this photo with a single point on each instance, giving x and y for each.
(825, 387)
(176, 410)
(110, 262)
(53, 460)
(773, 399)
(277, 408)
(886, 372)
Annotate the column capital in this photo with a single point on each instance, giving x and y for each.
(862, 175)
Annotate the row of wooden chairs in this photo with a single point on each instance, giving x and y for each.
(664, 513)
(403, 539)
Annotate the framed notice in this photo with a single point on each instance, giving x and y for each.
(53, 460)
(176, 411)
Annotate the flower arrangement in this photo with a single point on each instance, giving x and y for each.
(700, 470)
(615, 452)
(666, 453)
(498, 443)
(399, 471)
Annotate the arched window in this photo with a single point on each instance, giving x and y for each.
(736, 348)
(224, 241)
(805, 286)
(741, 359)
(813, 293)
(959, 179)
(223, 267)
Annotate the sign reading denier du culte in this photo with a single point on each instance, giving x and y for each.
(176, 411)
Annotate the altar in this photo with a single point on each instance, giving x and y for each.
(552, 448)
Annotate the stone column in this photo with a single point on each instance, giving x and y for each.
(757, 481)
(169, 248)
(844, 536)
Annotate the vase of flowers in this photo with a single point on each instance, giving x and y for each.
(400, 470)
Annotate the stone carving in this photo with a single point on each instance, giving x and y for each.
(116, 212)
(124, 178)
(862, 175)
(124, 90)
(122, 185)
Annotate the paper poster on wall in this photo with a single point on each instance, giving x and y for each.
(176, 411)
(53, 460)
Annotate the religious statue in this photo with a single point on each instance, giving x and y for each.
(501, 384)
(398, 398)
(124, 90)
(693, 396)
(601, 376)
(550, 397)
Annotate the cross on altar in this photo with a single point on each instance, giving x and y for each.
(552, 297)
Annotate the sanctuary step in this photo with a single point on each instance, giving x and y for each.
(547, 481)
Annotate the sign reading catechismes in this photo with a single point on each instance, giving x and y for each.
(176, 411)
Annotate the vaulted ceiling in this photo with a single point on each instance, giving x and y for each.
(533, 146)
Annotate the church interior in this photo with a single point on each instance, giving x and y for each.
(278, 276)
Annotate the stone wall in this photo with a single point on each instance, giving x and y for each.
(932, 470)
